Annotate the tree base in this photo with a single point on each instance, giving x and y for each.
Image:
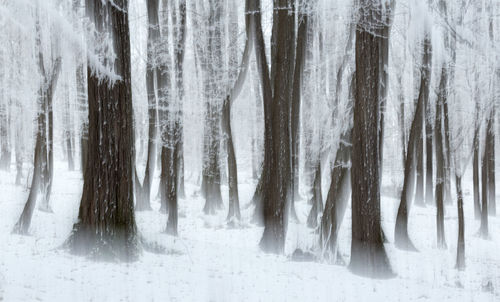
(369, 259)
(121, 245)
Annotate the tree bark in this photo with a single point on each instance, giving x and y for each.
(368, 256)
(106, 226)
(277, 195)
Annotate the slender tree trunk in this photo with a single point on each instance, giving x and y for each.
(440, 154)
(143, 192)
(490, 137)
(106, 224)
(475, 164)
(316, 199)
(460, 265)
(368, 256)
(5, 151)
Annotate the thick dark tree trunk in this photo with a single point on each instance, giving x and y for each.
(460, 265)
(267, 99)
(440, 158)
(277, 195)
(368, 256)
(106, 226)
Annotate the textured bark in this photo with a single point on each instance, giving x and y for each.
(368, 256)
(278, 193)
(68, 132)
(106, 226)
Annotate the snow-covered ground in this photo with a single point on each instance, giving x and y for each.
(211, 262)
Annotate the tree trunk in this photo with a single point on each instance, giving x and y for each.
(460, 265)
(368, 256)
(401, 237)
(490, 137)
(278, 193)
(106, 226)
(43, 159)
(267, 99)
(440, 168)
(143, 192)
(5, 151)
(316, 199)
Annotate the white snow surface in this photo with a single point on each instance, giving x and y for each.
(211, 262)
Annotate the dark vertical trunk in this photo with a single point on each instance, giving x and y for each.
(106, 224)
(267, 99)
(460, 265)
(278, 192)
(490, 137)
(440, 158)
(447, 153)
(484, 191)
(368, 256)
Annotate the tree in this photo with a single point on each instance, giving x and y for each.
(43, 158)
(278, 192)
(143, 192)
(401, 238)
(368, 256)
(106, 223)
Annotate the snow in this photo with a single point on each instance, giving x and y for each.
(211, 262)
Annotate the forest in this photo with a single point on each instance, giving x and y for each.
(249, 150)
